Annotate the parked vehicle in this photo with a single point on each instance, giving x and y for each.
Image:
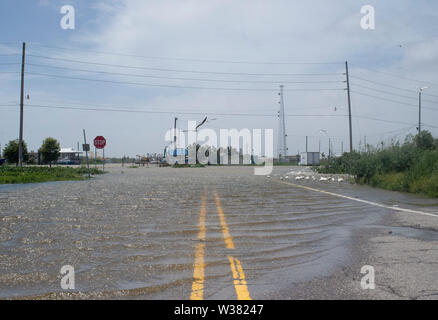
(66, 161)
(2, 161)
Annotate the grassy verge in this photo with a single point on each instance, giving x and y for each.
(9, 174)
(408, 167)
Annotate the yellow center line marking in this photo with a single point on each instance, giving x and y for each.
(236, 267)
(225, 231)
(199, 265)
(362, 201)
(239, 279)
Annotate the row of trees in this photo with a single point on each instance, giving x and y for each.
(49, 150)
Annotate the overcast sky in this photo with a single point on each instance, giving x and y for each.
(241, 46)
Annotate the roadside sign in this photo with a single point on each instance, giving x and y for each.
(86, 147)
(99, 142)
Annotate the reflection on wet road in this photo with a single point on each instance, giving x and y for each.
(164, 233)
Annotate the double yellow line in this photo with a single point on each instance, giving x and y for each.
(199, 265)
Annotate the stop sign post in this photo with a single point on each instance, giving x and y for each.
(100, 143)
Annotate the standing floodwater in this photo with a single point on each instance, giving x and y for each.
(134, 233)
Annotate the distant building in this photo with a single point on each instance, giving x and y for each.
(293, 160)
(69, 156)
(309, 158)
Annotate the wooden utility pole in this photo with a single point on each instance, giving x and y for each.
(20, 139)
(419, 112)
(349, 105)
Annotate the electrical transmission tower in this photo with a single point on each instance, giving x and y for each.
(282, 149)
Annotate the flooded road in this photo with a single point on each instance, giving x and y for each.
(165, 233)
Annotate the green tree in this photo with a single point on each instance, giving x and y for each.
(50, 150)
(424, 140)
(10, 152)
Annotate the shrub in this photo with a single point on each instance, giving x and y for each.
(410, 167)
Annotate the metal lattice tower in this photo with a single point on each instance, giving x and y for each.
(282, 149)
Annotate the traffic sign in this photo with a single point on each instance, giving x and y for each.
(99, 142)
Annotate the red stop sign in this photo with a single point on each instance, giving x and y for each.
(99, 142)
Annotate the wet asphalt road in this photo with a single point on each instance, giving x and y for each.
(164, 233)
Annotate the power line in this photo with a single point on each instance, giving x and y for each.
(178, 70)
(385, 92)
(185, 59)
(429, 125)
(382, 120)
(175, 111)
(393, 87)
(76, 103)
(173, 86)
(390, 100)
(398, 76)
(382, 84)
(208, 113)
(399, 131)
(178, 78)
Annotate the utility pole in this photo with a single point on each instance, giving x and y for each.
(20, 139)
(365, 144)
(419, 112)
(342, 147)
(349, 105)
(282, 149)
(307, 140)
(419, 108)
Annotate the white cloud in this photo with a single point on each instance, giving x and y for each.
(315, 31)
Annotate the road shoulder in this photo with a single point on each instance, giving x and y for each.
(402, 248)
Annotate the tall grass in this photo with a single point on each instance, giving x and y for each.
(409, 167)
(12, 174)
